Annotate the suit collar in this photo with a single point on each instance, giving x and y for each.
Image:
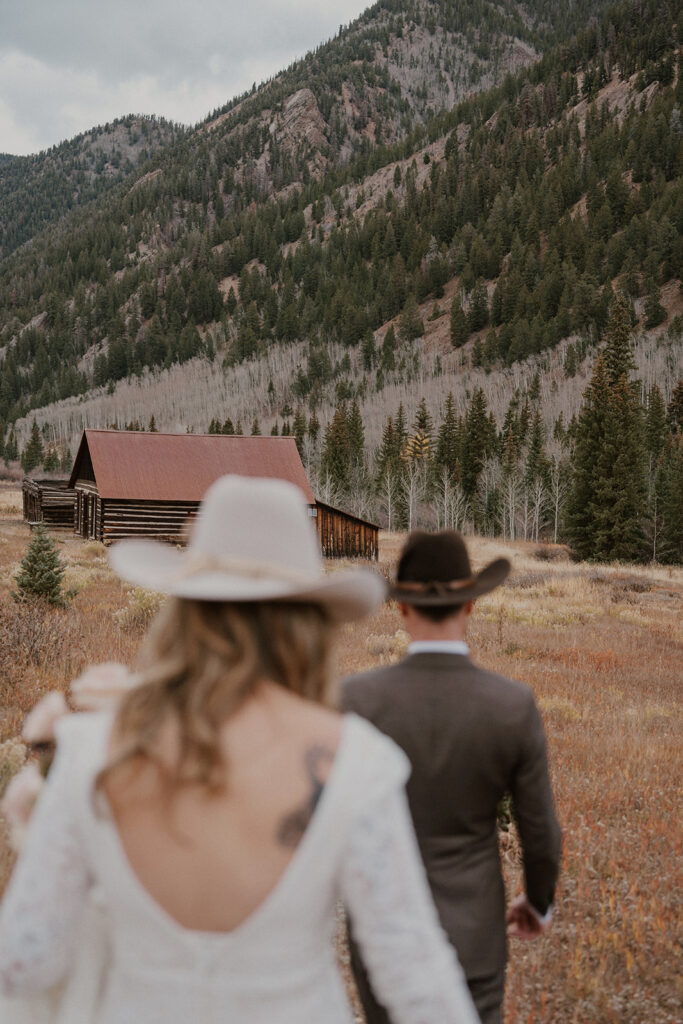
(436, 660)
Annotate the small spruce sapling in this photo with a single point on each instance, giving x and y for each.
(42, 572)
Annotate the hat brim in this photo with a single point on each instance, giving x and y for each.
(155, 566)
(490, 577)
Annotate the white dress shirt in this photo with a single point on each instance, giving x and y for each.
(438, 647)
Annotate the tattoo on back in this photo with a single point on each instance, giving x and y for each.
(292, 827)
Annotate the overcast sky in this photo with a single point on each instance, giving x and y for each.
(68, 65)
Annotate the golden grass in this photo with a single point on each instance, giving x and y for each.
(601, 647)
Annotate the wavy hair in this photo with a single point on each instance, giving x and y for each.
(200, 662)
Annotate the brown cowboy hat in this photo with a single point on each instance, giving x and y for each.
(434, 569)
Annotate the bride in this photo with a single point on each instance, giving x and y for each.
(224, 809)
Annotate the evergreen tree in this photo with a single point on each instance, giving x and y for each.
(33, 454)
(448, 441)
(356, 436)
(669, 494)
(476, 442)
(11, 447)
(389, 349)
(536, 465)
(618, 357)
(152, 425)
(299, 427)
(41, 571)
(606, 505)
(655, 314)
(336, 456)
(255, 427)
(674, 410)
(410, 324)
(51, 462)
(459, 331)
(478, 313)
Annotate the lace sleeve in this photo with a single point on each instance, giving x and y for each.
(413, 968)
(43, 902)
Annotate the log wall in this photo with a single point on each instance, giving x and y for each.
(48, 501)
(157, 520)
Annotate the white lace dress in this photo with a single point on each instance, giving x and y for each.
(279, 966)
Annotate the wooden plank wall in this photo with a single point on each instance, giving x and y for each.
(345, 536)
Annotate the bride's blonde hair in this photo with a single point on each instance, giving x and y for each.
(200, 661)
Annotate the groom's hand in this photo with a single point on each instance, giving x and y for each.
(522, 921)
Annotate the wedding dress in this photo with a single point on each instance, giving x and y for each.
(279, 965)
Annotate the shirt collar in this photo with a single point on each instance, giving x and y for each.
(438, 647)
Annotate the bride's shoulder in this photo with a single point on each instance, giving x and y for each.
(378, 764)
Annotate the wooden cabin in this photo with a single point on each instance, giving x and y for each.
(48, 501)
(138, 484)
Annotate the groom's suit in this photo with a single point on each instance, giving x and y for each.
(471, 736)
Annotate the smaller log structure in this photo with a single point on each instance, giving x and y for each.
(343, 535)
(49, 501)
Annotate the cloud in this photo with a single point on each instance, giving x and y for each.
(68, 65)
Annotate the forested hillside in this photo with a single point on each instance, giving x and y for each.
(37, 191)
(365, 231)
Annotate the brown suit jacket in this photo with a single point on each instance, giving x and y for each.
(470, 736)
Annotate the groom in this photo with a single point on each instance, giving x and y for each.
(471, 737)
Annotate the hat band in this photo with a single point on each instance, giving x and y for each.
(437, 587)
(246, 567)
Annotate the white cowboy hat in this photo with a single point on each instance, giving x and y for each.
(252, 541)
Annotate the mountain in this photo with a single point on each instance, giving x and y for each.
(371, 228)
(38, 191)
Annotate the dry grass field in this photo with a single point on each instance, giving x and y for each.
(601, 647)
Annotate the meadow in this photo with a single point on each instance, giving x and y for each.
(600, 645)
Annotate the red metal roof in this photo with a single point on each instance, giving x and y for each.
(182, 467)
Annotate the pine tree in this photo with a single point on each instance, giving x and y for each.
(655, 314)
(674, 410)
(255, 427)
(448, 441)
(356, 436)
(669, 492)
(478, 313)
(618, 356)
(336, 455)
(41, 572)
(33, 453)
(410, 324)
(476, 442)
(11, 447)
(536, 465)
(299, 427)
(152, 425)
(389, 349)
(459, 331)
(51, 462)
(606, 505)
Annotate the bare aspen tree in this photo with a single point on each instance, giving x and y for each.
(414, 489)
(388, 496)
(511, 488)
(539, 496)
(558, 492)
